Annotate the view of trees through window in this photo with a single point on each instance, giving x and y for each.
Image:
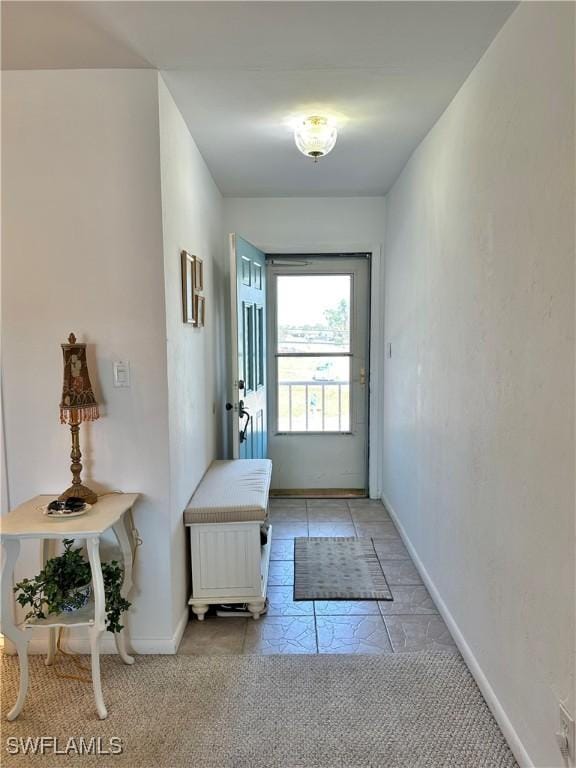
(313, 342)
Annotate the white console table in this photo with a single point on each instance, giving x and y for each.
(28, 522)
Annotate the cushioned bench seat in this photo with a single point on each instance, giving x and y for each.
(228, 554)
(231, 492)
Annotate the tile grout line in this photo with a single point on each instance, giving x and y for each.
(316, 627)
(388, 632)
(313, 602)
(351, 517)
(380, 607)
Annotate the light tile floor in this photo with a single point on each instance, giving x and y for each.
(408, 623)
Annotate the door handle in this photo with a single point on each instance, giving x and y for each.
(243, 412)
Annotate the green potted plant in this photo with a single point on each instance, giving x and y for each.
(64, 585)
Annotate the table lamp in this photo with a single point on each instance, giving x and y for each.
(78, 405)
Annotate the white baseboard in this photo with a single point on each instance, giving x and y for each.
(180, 627)
(76, 641)
(510, 734)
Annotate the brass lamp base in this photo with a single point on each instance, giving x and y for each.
(80, 492)
(77, 489)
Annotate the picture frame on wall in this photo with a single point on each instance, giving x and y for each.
(199, 310)
(188, 300)
(198, 274)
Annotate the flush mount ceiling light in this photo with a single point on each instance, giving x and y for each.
(315, 136)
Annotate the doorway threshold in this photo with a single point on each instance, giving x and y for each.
(320, 493)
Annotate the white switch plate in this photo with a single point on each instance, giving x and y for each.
(121, 373)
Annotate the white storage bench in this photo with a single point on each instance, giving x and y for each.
(225, 514)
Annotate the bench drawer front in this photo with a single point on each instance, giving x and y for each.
(226, 560)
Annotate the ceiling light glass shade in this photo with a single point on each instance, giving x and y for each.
(315, 136)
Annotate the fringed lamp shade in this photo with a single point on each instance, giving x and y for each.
(78, 401)
(78, 404)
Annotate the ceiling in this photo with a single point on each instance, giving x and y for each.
(239, 71)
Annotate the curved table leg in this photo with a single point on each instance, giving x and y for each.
(123, 536)
(96, 682)
(51, 647)
(9, 628)
(93, 545)
(120, 639)
(52, 632)
(21, 643)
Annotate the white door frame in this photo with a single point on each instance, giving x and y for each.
(376, 390)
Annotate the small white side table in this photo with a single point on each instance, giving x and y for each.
(28, 522)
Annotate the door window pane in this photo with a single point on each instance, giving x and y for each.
(313, 394)
(260, 361)
(257, 276)
(245, 271)
(249, 347)
(313, 313)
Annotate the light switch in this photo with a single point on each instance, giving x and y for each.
(121, 373)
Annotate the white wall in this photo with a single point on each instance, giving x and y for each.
(281, 224)
(82, 252)
(4, 500)
(192, 221)
(479, 395)
(102, 187)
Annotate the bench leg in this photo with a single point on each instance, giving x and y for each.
(256, 608)
(199, 611)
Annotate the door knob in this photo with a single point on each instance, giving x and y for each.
(229, 406)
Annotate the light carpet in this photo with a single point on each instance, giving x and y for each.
(420, 710)
(338, 568)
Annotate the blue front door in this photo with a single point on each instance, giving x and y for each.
(248, 287)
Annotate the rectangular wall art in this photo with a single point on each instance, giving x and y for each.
(193, 303)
